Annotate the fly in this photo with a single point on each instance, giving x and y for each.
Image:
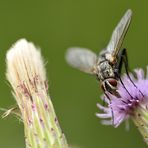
(107, 66)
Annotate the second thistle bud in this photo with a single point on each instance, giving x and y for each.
(26, 74)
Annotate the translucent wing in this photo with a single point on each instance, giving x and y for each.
(119, 34)
(82, 59)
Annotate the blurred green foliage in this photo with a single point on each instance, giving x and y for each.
(55, 25)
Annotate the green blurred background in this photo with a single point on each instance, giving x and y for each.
(55, 25)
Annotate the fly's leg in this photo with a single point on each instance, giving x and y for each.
(103, 101)
(124, 85)
(124, 60)
(109, 103)
(110, 107)
(118, 68)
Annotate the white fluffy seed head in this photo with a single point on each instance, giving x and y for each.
(23, 62)
(26, 74)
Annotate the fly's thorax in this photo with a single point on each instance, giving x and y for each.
(104, 70)
(110, 58)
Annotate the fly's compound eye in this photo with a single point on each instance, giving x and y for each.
(112, 82)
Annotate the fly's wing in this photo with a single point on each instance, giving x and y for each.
(82, 59)
(119, 34)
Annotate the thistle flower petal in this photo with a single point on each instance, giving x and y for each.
(27, 76)
(133, 105)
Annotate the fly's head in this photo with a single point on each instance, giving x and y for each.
(110, 85)
(105, 74)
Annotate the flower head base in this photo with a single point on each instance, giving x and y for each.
(133, 104)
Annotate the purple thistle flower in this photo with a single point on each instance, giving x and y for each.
(133, 106)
